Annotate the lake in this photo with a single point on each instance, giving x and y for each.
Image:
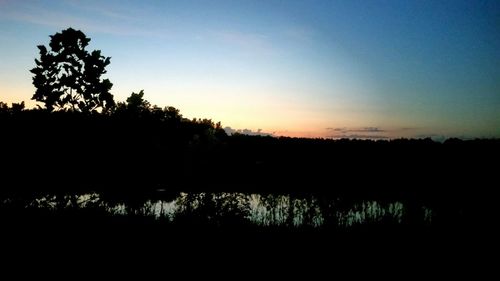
(227, 208)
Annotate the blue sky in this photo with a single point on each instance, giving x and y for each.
(302, 68)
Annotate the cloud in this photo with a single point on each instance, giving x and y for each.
(358, 136)
(377, 133)
(335, 129)
(345, 130)
(79, 16)
(105, 9)
(249, 132)
(371, 130)
(250, 42)
(409, 129)
(357, 133)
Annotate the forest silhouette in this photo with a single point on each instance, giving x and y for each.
(85, 160)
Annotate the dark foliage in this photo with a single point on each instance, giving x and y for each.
(136, 149)
(69, 77)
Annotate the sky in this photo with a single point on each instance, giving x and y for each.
(356, 69)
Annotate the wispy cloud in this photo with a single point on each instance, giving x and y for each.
(380, 133)
(246, 41)
(358, 133)
(80, 15)
(408, 129)
(345, 130)
(358, 136)
(259, 132)
(102, 8)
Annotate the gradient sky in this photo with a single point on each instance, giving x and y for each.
(351, 68)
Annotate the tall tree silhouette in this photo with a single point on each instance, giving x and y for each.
(69, 77)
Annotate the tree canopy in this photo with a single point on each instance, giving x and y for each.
(69, 77)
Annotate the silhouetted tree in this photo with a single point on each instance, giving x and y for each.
(68, 76)
(172, 114)
(14, 109)
(18, 107)
(137, 104)
(4, 107)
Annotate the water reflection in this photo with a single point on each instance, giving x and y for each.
(287, 210)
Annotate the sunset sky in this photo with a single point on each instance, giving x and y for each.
(366, 69)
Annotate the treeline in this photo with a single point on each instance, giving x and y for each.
(132, 142)
(136, 152)
(137, 145)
